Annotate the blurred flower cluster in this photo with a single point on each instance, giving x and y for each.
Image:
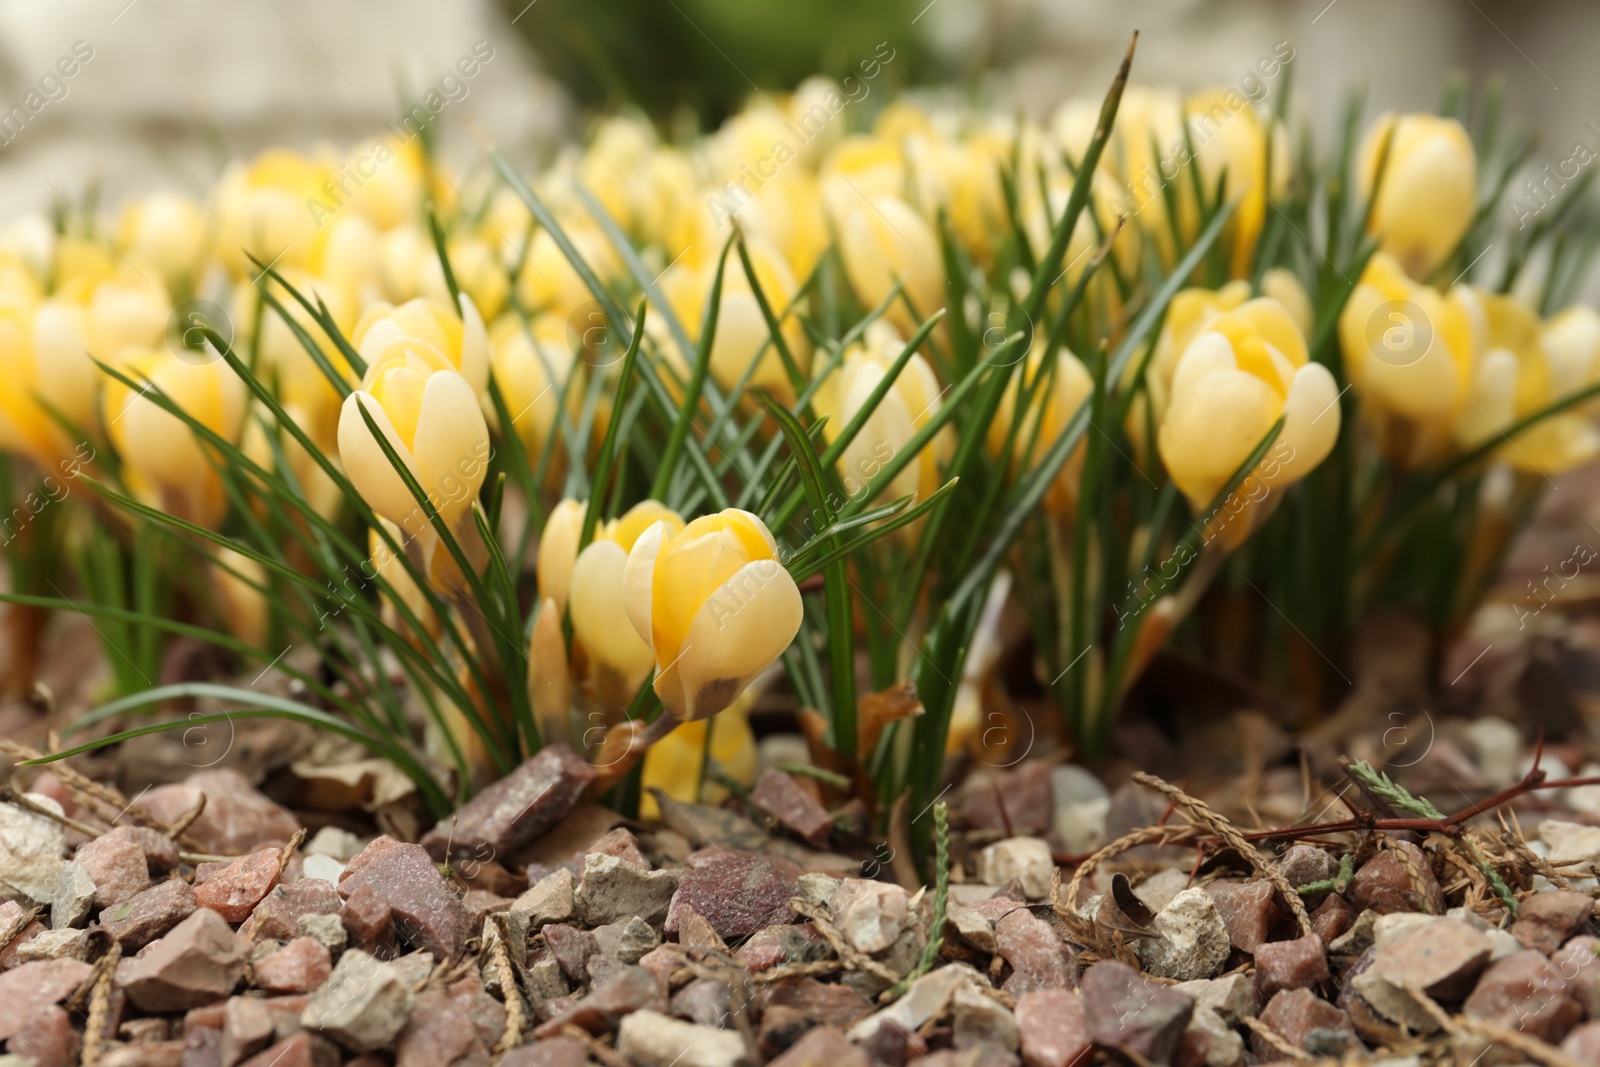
(987, 346)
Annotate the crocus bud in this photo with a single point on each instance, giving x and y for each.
(163, 462)
(430, 416)
(532, 362)
(558, 551)
(428, 325)
(168, 231)
(620, 657)
(1408, 350)
(715, 606)
(673, 764)
(883, 240)
(1231, 384)
(742, 335)
(1572, 343)
(262, 210)
(1512, 381)
(1428, 192)
(908, 406)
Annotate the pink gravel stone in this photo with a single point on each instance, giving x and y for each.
(116, 863)
(439, 1033)
(369, 922)
(738, 893)
(1547, 919)
(1053, 1028)
(426, 911)
(234, 891)
(1524, 991)
(823, 1046)
(1039, 958)
(1302, 1018)
(32, 987)
(1248, 910)
(237, 817)
(278, 915)
(1385, 884)
(1297, 964)
(199, 961)
(298, 967)
(516, 809)
(782, 798)
(145, 916)
(47, 1039)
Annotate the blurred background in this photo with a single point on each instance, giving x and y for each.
(171, 87)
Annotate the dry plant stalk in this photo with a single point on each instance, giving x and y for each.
(1209, 817)
(1149, 835)
(852, 958)
(508, 990)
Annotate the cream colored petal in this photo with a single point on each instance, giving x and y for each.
(745, 625)
(600, 618)
(474, 346)
(1310, 426)
(549, 683)
(368, 468)
(558, 550)
(638, 578)
(452, 443)
(379, 336)
(1206, 354)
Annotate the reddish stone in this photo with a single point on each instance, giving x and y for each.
(1547, 919)
(246, 1028)
(47, 1039)
(619, 842)
(572, 949)
(1124, 1009)
(823, 1046)
(298, 967)
(824, 1003)
(439, 1034)
(1304, 864)
(551, 1052)
(1053, 1028)
(234, 891)
(1332, 918)
(116, 863)
(1248, 909)
(202, 1047)
(480, 904)
(237, 817)
(29, 989)
(1583, 1044)
(695, 933)
(1303, 1019)
(1387, 885)
(1297, 964)
(631, 989)
(369, 922)
(488, 1014)
(1025, 791)
(277, 917)
(738, 893)
(1524, 991)
(199, 961)
(426, 912)
(146, 916)
(780, 797)
(516, 809)
(1579, 963)
(296, 1050)
(1039, 958)
(8, 957)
